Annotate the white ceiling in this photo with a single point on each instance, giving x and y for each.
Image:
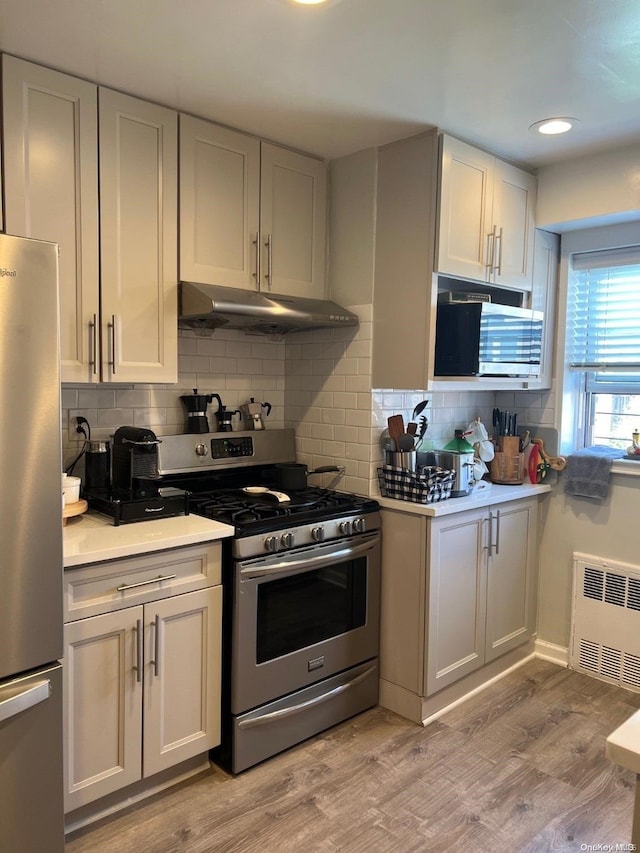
(333, 79)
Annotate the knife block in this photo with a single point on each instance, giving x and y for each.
(507, 465)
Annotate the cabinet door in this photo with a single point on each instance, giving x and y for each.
(293, 209)
(466, 198)
(219, 205)
(514, 202)
(138, 234)
(457, 598)
(103, 705)
(182, 678)
(51, 193)
(543, 298)
(511, 580)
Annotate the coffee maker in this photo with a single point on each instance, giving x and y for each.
(136, 492)
(135, 462)
(196, 406)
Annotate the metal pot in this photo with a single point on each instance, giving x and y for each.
(293, 475)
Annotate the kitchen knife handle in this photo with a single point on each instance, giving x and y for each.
(138, 666)
(156, 645)
(256, 274)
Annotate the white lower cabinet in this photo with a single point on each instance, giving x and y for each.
(141, 684)
(458, 592)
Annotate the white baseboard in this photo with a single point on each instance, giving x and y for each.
(552, 653)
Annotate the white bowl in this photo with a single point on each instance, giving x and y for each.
(70, 489)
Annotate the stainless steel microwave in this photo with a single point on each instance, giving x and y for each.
(487, 339)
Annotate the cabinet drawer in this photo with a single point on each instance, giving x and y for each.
(106, 587)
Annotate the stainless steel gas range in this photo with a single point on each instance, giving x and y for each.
(301, 583)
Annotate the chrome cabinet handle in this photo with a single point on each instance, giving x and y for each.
(498, 267)
(269, 274)
(93, 353)
(491, 248)
(497, 545)
(138, 666)
(112, 327)
(156, 645)
(256, 273)
(159, 579)
(25, 699)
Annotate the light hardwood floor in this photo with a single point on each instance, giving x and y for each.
(520, 767)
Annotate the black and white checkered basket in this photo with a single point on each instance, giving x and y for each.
(428, 485)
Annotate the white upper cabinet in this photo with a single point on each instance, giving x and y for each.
(486, 217)
(293, 199)
(219, 204)
(138, 238)
(252, 214)
(51, 192)
(118, 305)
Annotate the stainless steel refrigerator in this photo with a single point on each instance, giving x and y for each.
(31, 786)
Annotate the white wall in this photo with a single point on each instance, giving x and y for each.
(584, 192)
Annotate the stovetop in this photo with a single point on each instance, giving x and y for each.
(266, 511)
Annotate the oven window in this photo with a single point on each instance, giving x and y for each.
(297, 612)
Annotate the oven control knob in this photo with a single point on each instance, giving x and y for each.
(345, 528)
(287, 540)
(359, 525)
(317, 534)
(201, 449)
(271, 543)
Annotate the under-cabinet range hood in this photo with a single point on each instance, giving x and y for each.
(209, 307)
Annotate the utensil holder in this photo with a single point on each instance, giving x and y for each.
(507, 465)
(405, 459)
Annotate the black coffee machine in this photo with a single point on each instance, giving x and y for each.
(196, 406)
(135, 463)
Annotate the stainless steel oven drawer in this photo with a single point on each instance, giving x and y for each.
(267, 730)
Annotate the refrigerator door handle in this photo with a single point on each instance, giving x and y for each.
(19, 702)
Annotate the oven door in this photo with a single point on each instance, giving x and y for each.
(302, 616)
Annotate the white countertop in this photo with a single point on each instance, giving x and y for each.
(623, 745)
(491, 493)
(92, 538)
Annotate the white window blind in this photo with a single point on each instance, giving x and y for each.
(603, 316)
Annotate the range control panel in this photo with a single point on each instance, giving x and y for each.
(231, 447)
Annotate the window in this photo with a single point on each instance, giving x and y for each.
(603, 340)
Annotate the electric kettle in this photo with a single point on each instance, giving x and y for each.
(196, 406)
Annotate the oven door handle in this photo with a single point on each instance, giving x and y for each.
(283, 713)
(306, 563)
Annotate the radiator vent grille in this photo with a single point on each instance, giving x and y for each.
(606, 625)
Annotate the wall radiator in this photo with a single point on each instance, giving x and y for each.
(605, 624)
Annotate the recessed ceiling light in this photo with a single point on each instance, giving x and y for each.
(553, 126)
(309, 2)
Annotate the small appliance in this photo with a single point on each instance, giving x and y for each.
(97, 465)
(136, 492)
(462, 462)
(224, 418)
(487, 339)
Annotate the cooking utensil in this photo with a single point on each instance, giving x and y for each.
(293, 475)
(396, 428)
(412, 428)
(196, 406)
(419, 409)
(406, 442)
